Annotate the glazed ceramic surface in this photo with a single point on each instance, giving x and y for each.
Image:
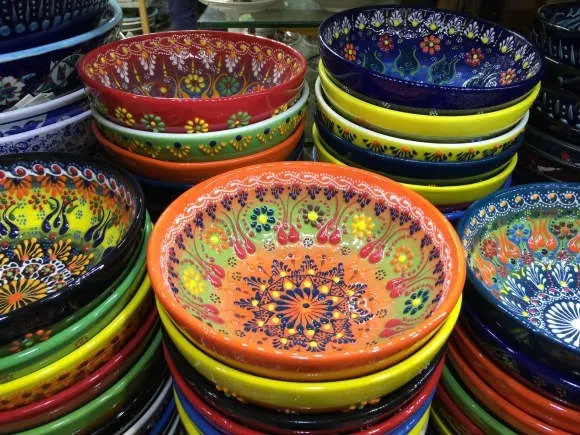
(463, 128)
(69, 226)
(383, 144)
(200, 146)
(51, 67)
(562, 106)
(548, 167)
(428, 58)
(523, 249)
(153, 412)
(561, 75)
(556, 126)
(452, 415)
(566, 151)
(192, 79)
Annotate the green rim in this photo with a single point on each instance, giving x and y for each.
(62, 343)
(107, 402)
(478, 415)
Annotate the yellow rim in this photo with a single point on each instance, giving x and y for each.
(189, 425)
(412, 125)
(439, 423)
(421, 425)
(309, 395)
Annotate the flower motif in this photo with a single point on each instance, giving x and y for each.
(262, 219)
(193, 281)
(430, 44)
(563, 320)
(29, 340)
(179, 150)
(350, 52)
(488, 36)
(195, 83)
(228, 86)
(506, 45)
(10, 90)
(362, 226)
(153, 123)
(124, 116)
(506, 77)
(564, 230)
(474, 57)
(216, 238)
(519, 233)
(402, 260)
(471, 30)
(196, 125)
(489, 248)
(313, 215)
(18, 293)
(239, 119)
(416, 302)
(385, 43)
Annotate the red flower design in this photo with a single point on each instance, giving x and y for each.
(430, 44)
(489, 248)
(386, 43)
(350, 52)
(474, 57)
(506, 77)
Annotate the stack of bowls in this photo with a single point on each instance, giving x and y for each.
(434, 100)
(552, 151)
(79, 339)
(176, 108)
(131, 24)
(355, 289)
(514, 360)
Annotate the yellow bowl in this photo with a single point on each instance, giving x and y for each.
(424, 127)
(393, 146)
(439, 424)
(84, 359)
(309, 396)
(438, 195)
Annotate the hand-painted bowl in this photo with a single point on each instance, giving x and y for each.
(210, 146)
(73, 397)
(453, 415)
(163, 424)
(542, 378)
(553, 146)
(337, 236)
(69, 227)
(556, 414)
(557, 32)
(523, 249)
(556, 126)
(561, 75)
(192, 80)
(560, 105)
(439, 195)
(428, 58)
(190, 173)
(50, 68)
(463, 128)
(386, 145)
(153, 412)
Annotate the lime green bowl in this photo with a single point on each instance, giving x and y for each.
(82, 329)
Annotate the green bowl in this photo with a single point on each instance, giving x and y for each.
(83, 328)
(203, 146)
(105, 406)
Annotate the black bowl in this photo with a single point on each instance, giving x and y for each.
(553, 146)
(554, 127)
(561, 75)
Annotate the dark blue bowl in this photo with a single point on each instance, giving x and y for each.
(541, 378)
(428, 58)
(422, 169)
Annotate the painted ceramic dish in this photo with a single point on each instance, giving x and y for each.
(561, 75)
(83, 361)
(69, 227)
(452, 415)
(440, 195)
(463, 128)
(296, 314)
(192, 80)
(522, 247)
(153, 412)
(386, 145)
(553, 146)
(428, 58)
(210, 146)
(50, 68)
(190, 173)
(547, 167)
(568, 132)
(562, 106)
(438, 425)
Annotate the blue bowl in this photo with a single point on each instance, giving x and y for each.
(52, 67)
(428, 58)
(425, 170)
(541, 378)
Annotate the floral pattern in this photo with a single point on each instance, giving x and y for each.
(197, 125)
(195, 83)
(228, 86)
(10, 90)
(124, 116)
(430, 44)
(239, 120)
(474, 57)
(153, 123)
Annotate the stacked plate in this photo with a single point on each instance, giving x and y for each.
(339, 324)
(131, 24)
(434, 100)
(514, 361)
(180, 107)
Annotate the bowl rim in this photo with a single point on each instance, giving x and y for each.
(156, 406)
(47, 129)
(350, 12)
(547, 24)
(294, 82)
(322, 362)
(455, 411)
(101, 29)
(477, 285)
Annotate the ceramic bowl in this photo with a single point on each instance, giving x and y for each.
(560, 105)
(265, 420)
(438, 425)
(98, 411)
(510, 238)
(176, 78)
(557, 32)
(556, 127)
(316, 212)
(50, 68)
(553, 146)
(73, 397)
(428, 171)
(427, 128)
(154, 412)
(453, 415)
(383, 144)
(210, 146)
(551, 412)
(69, 227)
(164, 422)
(440, 195)
(547, 167)
(190, 173)
(560, 75)
(428, 58)
(36, 350)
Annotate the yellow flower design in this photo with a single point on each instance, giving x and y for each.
(362, 226)
(402, 260)
(124, 116)
(195, 83)
(78, 264)
(197, 125)
(216, 238)
(193, 282)
(179, 150)
(28, 249)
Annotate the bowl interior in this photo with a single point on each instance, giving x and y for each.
(523, 250)
(58, 222)
(431, 47)
(305, 261)
(566, 15)
(192, 65)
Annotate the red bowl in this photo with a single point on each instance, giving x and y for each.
(192, 80)
(75, 396)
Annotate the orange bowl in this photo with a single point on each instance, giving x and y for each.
(305, 271)
(189, 173)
